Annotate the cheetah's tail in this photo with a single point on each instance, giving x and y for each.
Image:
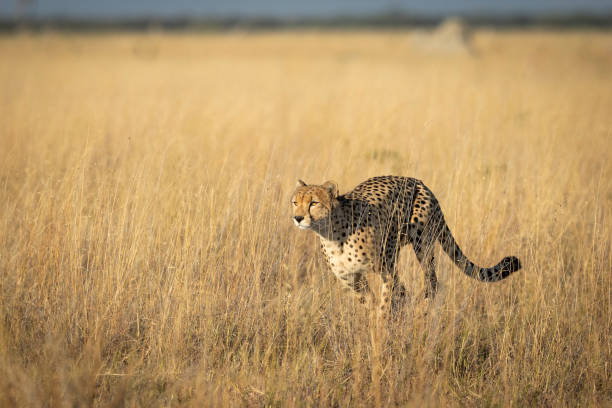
(502, 270)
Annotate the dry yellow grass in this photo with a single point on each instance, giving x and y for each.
(147, 256)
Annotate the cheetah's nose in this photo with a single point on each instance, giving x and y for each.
(298, 218)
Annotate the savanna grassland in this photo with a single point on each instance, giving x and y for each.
(148, 258)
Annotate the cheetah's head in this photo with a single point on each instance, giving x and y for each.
(312, 204)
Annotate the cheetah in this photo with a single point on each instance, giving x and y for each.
(363, 230)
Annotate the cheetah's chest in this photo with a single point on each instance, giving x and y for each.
(348, 256)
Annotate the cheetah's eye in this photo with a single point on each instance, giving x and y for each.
(295, 203)
(314, 203)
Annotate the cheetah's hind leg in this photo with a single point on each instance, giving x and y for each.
(423, 245)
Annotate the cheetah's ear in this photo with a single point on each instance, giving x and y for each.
(300, 183)
(332, 187)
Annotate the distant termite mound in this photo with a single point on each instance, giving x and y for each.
(452, 36)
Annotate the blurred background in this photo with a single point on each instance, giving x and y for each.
(270, 13)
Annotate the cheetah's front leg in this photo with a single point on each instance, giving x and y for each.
(386, 290)
(358, 285)
(392, 294)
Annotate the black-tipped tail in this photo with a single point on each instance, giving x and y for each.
(502, 270)
(509, 265)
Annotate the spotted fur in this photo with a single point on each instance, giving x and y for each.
(363, 231)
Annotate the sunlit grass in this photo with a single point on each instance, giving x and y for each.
(147, 255)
